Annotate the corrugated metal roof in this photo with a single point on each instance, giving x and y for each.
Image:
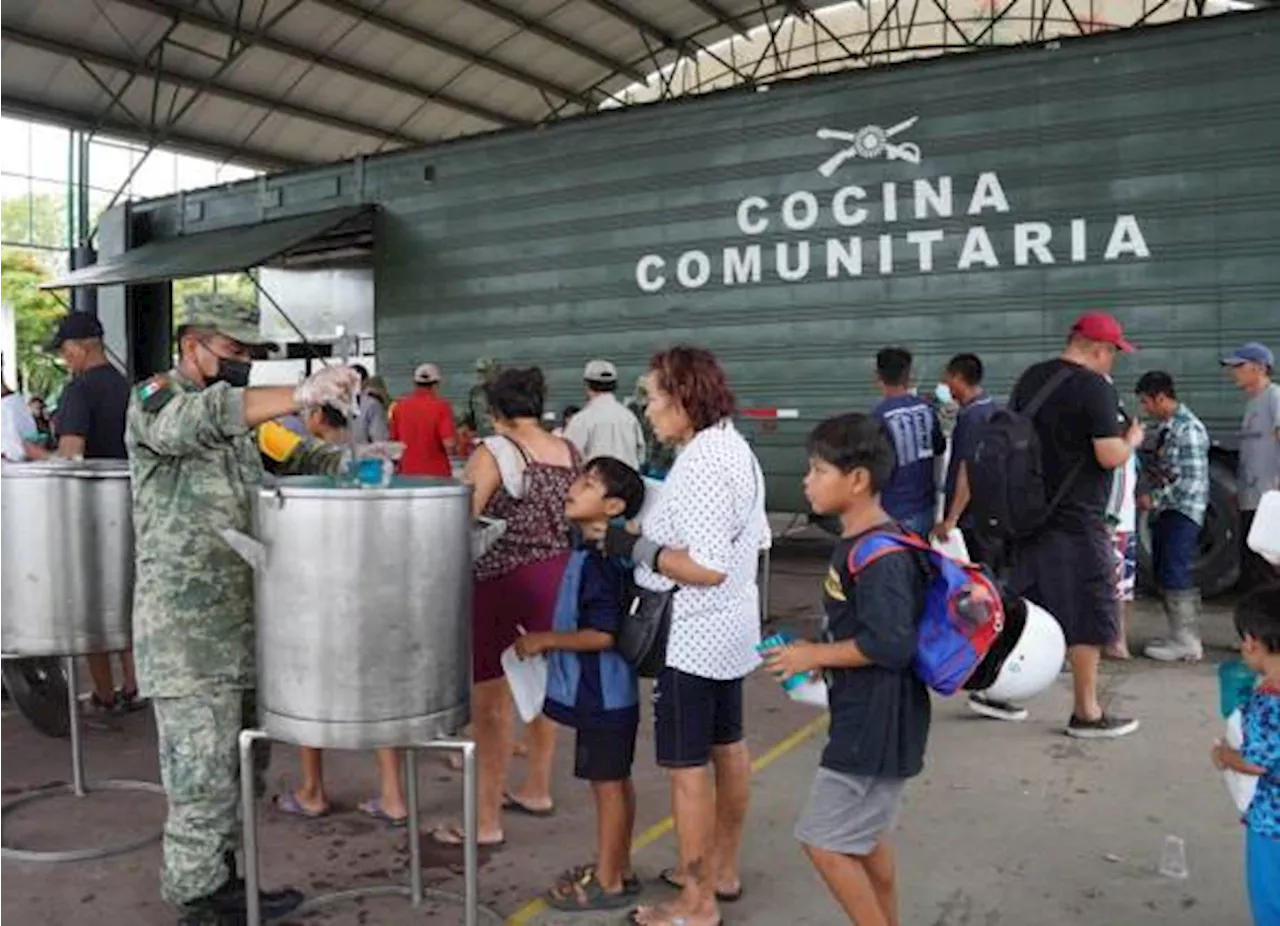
(309, 81)
(279, 83)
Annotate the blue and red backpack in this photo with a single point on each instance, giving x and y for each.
(963, 615)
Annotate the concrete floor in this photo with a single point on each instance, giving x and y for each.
(1010, 824)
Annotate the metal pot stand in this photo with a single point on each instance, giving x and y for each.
(79, 788)
(414, 890)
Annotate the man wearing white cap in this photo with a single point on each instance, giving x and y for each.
(423, 422)
(606, 427)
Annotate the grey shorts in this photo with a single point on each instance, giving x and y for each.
(849, 814)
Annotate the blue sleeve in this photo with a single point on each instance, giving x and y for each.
(600, 596)
(1261, 729)
(939, 439)
(73, 412)
(888, 605)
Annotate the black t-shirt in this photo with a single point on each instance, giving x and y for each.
(879, 713)
(93, 406)
(1079, 411)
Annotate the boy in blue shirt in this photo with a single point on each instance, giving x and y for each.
(1258, 623)
(591, 688)
(879, 707)
(910, 494)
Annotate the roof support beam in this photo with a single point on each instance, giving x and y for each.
(422, 37)
(568, 43)
(329, 62)
(64, 49)
(21, 108)
(733, 22)
(688, 48)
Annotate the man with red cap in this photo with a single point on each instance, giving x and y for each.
(1066, 566)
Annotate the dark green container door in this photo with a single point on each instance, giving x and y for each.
(971, 203)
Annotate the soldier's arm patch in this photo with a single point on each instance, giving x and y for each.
(155, 393)
(276, 442)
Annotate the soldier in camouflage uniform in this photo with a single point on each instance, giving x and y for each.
(195, 469)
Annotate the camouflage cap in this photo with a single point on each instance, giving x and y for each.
(230, 317)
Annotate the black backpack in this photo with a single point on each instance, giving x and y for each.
(1006, 476)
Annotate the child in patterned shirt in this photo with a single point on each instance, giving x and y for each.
(1258, 623)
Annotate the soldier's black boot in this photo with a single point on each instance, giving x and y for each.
(226, 905)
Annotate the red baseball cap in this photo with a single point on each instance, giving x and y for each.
(1103, 328)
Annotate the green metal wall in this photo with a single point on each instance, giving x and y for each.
(524, 246)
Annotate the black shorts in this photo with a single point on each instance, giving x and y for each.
(1071, 574)
(691, 714)
(605, 754)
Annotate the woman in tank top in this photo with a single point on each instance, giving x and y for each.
(520, 475)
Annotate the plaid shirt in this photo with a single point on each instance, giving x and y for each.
(1183, 451)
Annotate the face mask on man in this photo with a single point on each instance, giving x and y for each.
(942, 392)
(234, 373)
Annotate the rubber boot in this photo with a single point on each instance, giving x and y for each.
(1172, 629)
(1182, 607)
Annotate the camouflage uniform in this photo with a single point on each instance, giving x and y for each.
(196, 467)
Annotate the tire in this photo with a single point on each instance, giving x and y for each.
(1217, 567)
(38, 688)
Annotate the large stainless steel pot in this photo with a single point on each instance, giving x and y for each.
(67, 557)
(363, 600)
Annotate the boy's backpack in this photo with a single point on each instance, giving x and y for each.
(1006, 477)
(963, 615)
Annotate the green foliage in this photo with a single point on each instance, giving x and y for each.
(39, 220)
(234, 287)
(37, 314)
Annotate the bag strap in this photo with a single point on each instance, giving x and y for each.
(1048, 389)
(877, 543)
(1037, 402)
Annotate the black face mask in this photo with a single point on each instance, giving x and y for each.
(234, 373)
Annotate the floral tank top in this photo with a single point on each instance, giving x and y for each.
(536, 525)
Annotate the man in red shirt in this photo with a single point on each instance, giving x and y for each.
(423, 422)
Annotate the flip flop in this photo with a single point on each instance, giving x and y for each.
(451, 835)
(671, 920)
(630, 884)
(515, 806)
(584, 893)
(288, 804)
(373, 808)
(668, 877)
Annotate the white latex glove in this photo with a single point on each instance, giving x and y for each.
(336, 386)
(380, 450)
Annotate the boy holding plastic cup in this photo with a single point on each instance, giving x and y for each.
(591, 688)
(879, 707)
(1258, 623)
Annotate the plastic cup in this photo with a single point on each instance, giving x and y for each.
(773, 641)
(1235, 685)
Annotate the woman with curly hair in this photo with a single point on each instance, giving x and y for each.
(702, 538)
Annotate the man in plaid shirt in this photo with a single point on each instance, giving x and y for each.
(1176, 504)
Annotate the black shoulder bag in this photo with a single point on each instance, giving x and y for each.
(646, 623)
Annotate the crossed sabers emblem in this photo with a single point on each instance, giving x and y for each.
(870, 141)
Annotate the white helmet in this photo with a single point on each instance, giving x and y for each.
(1035, 660)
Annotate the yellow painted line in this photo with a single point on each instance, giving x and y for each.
(534, 907)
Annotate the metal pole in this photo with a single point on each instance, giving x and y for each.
(415, 826)
(73, 718)
(252, 900)
(470, 824)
